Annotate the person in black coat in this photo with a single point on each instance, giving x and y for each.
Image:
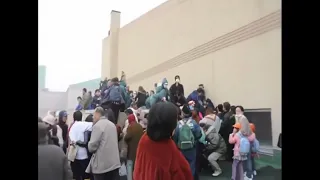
(178, 99)
(176, 87)
(96, 99)
(141, 97)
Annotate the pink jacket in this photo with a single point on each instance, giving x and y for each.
(235, 139)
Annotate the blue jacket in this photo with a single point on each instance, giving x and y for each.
(193, 96)
(190, 154)
(113, 94)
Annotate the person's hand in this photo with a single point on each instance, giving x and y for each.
(178, 104)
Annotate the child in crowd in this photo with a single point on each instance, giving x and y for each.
(253, 154)
(241, 132)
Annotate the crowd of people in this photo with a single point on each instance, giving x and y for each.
(166, 135)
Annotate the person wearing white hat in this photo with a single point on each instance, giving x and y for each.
(51, 122)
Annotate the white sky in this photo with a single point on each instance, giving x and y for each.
(71, 33)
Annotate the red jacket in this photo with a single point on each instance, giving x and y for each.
(160, 160)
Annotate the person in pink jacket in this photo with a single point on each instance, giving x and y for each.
(242, 127)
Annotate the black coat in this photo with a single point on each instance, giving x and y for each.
(141, 99)
(174, 89)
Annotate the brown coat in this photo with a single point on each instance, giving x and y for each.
(132, 138)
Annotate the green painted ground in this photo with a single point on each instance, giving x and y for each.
(265, 173)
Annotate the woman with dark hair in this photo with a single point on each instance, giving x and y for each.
(220, 112)
(141, 97)
(157, 155)
(62, 119)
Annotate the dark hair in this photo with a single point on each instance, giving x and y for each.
(161, 125)
(199, 90)
(220, 107)
(115, 79)
(240, 107)
(89, 118)
(90, 92)
(152, 91)
(155, 84)
(84, 89)
(226, 106)
(209, 110)
(39, 119)
(128, 111)
(176, 77)
(186, 111)
(79, 98)
(110, 115)
(96, 90)
(201, 85)
(77, 116)
(233, 109)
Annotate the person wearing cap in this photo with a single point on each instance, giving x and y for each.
(105, 162)
(52, 162)
(243, 128)
(176, 88)
(53, 131)
(132, 138)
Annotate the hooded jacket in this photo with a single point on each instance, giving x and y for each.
(212, 120)
(161, 93)
(215, 142)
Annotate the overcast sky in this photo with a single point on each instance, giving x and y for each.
(71, 33)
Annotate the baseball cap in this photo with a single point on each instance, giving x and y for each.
(49, 119)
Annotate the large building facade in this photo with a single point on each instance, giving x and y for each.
(232, 47)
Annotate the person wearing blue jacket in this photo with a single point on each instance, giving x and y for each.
(189, 154)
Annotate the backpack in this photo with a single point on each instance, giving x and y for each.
(115, 94)
(244, 144)
(255, 145)
(186, 138)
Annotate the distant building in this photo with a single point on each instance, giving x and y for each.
(42, 77)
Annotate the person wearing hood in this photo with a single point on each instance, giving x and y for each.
(161, 94)
(211, 119)
(132, 138)
(188, 149)
(196, 96)
(215, 148)
(113, 98)
(176, 87)
(62, 119)
(141, 97)
(96, 99)
(52, 162)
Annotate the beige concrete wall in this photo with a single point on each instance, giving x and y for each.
(232, 47)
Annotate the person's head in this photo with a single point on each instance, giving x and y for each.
(165, 83)
(226, 106)
(134, 94)
(177, 78)
(233, 109)
(151, 92)
(42, 133)
(84, 90)
(79, 99)
(97, 92)
(237, 126)
(200, 92)
(245, 126)
(252, 127)
(131, 118)
(209, 111)
(140, 89)
(115, 80)
(98, 113)
(62, 117)
(186, 111)
(49, 120)
(201, 86)
(134, 105)
(128, 112)
(191, 105)
(239, 110)
(220, 108)
(90, 93)
(77, 116)
(155, 85)
(89, 118)
(161, 125)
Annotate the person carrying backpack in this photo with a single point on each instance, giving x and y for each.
(249, 165)
(241, 137)
(186, 135)
(114, 99)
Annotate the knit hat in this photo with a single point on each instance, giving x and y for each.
(49, 119)
(63, 114)
(131, 118)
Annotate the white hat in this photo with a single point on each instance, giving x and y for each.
(49, 119)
